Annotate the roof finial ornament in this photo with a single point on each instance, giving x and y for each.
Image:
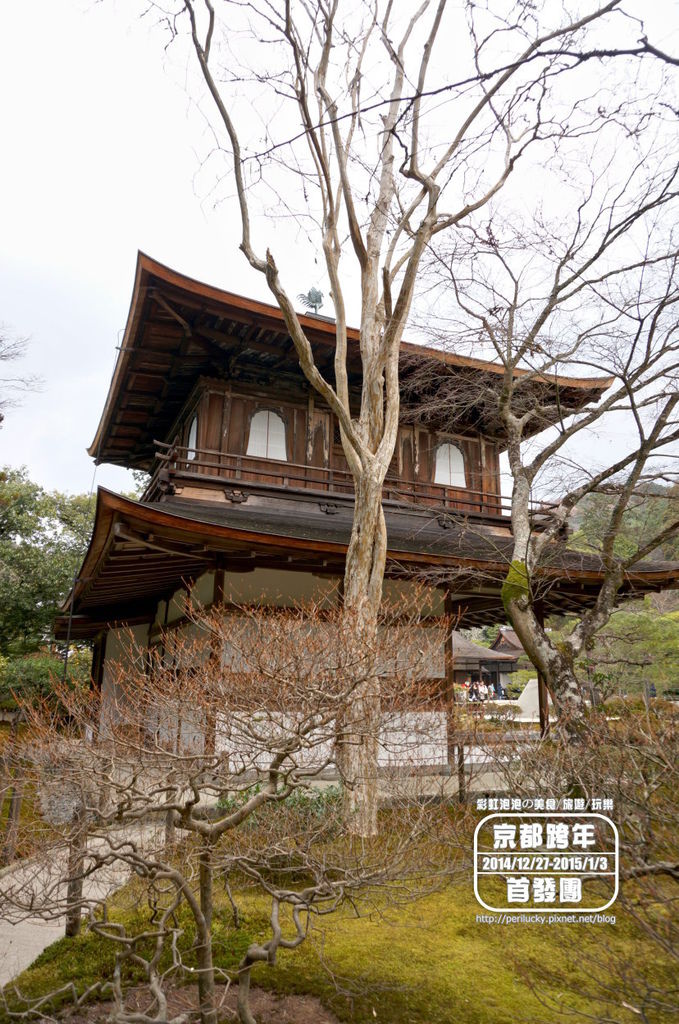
(313, 299)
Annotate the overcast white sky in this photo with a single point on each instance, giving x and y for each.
(100, 153)
(98, 161)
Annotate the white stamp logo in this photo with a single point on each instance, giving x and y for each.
(562, 862)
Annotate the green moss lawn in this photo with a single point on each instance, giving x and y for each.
(428, 962)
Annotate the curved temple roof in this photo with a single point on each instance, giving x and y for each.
(179, 329)
(140, 553)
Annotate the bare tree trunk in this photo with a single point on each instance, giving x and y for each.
(74, 891)
(554, 666)
(359, 741)
(461, 777)
(358, 755)
(454, 744)
(244, 973)
(169, 828)
(543, 704)
(206, 971)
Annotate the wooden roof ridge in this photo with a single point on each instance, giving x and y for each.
(151, 273)
(509, 635)
(466, 649)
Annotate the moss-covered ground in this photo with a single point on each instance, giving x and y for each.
(426, 962)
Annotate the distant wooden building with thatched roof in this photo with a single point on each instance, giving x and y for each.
(473, 663)
(507, 642)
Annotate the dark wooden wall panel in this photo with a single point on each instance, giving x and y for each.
(406, 438)
(425, 468)
(315, 456)
(318, 450)
(299, 453)
(213, 425)
(237, 440)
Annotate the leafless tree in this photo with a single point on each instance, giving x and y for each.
(586, 286)
(630, 756)
(13, 348)
(208, 772)
(369, 140)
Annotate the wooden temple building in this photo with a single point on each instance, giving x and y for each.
(250, 498)
(472, 663)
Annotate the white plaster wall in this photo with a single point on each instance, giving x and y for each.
(413, 738)
(202, 593)
(125, 650)
(406, 739)
(417, 651)
(203, 590)
(182, 732)
(281, 588)
(409, 596)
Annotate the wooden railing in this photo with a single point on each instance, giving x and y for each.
(207, 466)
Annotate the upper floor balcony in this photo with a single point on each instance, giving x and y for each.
(195, 471)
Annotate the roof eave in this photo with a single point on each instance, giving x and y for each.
(150, 272)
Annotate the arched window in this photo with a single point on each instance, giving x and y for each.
(267, 436)
(449, 466)
(192, 438)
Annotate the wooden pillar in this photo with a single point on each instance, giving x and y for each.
(455, 746)
(77, 849)
(216, 656)
(543, 692)
(98, 656)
